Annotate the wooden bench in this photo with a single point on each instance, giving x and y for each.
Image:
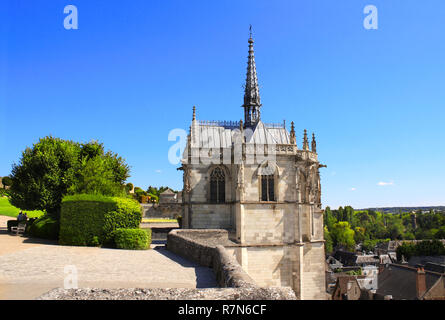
(19, 229)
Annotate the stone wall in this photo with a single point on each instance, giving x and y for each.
(209, 216)
(313, 286)
(161, 210)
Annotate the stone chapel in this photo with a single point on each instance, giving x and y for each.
(252, 179)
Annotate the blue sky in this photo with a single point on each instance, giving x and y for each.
(134, 69)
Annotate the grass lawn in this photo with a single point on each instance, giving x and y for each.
(6, 209)
(160, 220)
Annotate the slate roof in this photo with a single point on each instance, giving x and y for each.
(423, 260)
(400, 282)
(220, 134)
(352, 259)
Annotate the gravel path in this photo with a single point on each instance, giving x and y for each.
(28, 268)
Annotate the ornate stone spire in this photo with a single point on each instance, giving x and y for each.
(252, 102)
(293, 139)
(305, 141)
(194, 113)
(314, 144)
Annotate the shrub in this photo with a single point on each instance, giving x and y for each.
(144, 199)
(133, 239)
(29, 223)
(90, 220)
(179, 219)
(45, 227)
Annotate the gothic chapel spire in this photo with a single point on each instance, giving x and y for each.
(252, 102)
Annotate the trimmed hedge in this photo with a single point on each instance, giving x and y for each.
(45, 228)
(133, 239)
(90, 220)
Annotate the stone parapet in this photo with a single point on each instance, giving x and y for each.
(206, 247)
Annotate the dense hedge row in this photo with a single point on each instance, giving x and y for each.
(90, 220)
(133, 239)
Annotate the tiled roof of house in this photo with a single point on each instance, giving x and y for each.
(400, 282)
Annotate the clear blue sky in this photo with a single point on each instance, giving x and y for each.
(134, 69)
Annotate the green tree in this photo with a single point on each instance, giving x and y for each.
(409, 236)
(99, 172)
(329, 245)
(53, 167)
(359, 234)
(6, 181)
(96, 176)
(440, 234)
(44, 174)
(343, 235)
(340, 214)
(129, 186)
(348, 214)
(329, 218)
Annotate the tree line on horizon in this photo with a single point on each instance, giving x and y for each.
(346, 227)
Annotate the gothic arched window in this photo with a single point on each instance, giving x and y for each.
(217, 186)
(267, 187)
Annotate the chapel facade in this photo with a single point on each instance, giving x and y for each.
(252, 178)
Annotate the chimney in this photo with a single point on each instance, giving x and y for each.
(420, 282)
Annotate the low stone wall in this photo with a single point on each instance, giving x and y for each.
(205, 247)
(161, 210)
(197, 245)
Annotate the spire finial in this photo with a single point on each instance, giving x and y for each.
(252, 102)
(194, 113)
(314, 144)
(305, 141)
(293, 139)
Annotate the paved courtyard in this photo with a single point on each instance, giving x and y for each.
(29, 268)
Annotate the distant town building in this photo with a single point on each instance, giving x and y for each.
(346, 288)
(407, 283)
(353, 259)
(369, 279)
(168, 196)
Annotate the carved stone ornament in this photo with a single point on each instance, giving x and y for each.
(187, 185)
